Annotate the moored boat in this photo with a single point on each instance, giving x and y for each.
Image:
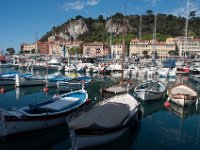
(74, 84)
(9, 78)
(103, 122)
(183, 95)
(150, 90)
(29, 81)
(41, 115)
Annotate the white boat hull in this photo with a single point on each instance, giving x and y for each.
(145, 95)
(84, 141)
(68, 86)
(24, 126)
(25, 82)
(51, 84)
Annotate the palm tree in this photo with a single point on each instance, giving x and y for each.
(145, 53)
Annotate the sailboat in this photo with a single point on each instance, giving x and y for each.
(124, 85)
(154, 41)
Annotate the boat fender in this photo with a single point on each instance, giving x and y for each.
(167, 104)
(46, 89)
(3, 90)
(88, 100)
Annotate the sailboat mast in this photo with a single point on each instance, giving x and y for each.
(186, 26)
(140, 32)
(111, 45)
(36, 39)
(154, 39)
(52, 40)
(123, 45)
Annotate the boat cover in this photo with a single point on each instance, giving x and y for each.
(181, 89)
(107, 115)
(60, 104)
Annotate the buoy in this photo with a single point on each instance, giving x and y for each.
(88, 100)
(167, 104)
(3, 90)
(46, 89)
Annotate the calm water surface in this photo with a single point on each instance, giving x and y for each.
(175, 128)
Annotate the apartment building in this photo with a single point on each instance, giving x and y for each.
(95, 49)
(116, 51)
(29, 48)
(43, 47)
(189, 47)
(138, 47)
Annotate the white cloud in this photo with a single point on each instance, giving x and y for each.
(92, 2)
(77, 5)
(152, 1)
(182, 11)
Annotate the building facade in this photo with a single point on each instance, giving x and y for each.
(189, 47)
(95, 50)
(29, 48)
(43, 47)
(161, 49)
(116, 51)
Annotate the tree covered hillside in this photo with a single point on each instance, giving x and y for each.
(101, 29)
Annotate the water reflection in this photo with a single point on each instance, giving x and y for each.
(150, 107)
(182, 112)
(43, 139)
(123, 143)
(173, 128)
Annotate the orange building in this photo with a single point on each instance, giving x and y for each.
(43, 47)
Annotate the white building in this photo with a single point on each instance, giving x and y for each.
(116, 51)
(188, 47)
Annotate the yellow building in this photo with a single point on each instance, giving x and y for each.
(29, 48)
(137, 47)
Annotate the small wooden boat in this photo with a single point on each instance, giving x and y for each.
(183, 95)
(74, 84)
(150, 90)
(104, 122)
(41, 115)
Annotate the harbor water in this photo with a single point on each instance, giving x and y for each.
(175, 128)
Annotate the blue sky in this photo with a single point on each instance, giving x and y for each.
(21, 18)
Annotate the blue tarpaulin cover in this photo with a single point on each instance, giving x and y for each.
(169, 63)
